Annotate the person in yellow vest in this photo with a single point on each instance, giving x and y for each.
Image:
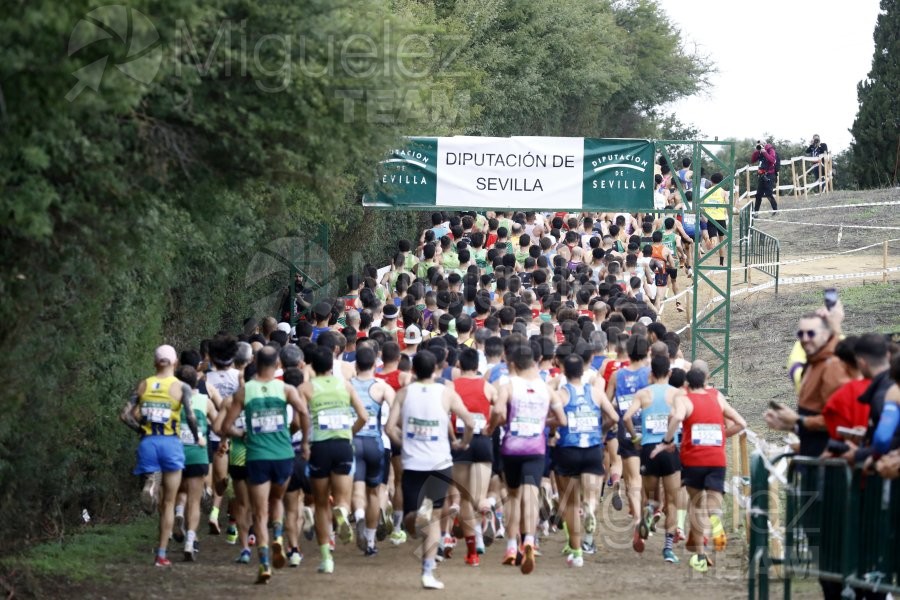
(154, 411)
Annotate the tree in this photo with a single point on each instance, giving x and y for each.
(876, 129)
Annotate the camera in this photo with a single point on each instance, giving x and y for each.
(759, 145)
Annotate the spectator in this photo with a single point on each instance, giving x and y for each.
(843, 408)
(817, 149)
(823, 375)
(765, 155)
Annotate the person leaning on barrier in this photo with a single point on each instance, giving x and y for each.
(816, 149)
(884, 412)
(823, 374)
(888, 466)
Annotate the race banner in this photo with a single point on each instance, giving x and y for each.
(521, 173)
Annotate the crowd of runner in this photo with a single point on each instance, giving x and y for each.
(504, 375)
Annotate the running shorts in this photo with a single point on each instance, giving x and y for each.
(369, 455)
(574, 462)
(190, 471)
(159, 454)
(330, 457)
(704, 478)
(523, 470)
(665, 464)
(418, 485)
(481, 450)
(300, 475)
(269, 471)
(626, 446)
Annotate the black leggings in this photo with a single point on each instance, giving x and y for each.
(764, 188)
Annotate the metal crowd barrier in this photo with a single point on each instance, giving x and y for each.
(763, 253)
(840, 525)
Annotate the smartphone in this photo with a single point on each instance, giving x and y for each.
(854, 434)
(831, 298)
(775, 405)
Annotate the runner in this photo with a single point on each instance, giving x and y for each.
(299, 488)
(329, 450)
(225, 379)
(369, 450)
(627, 382)
(154, 412)
(655, 404)
(270, 456)
(522, 408)
(578, 455)
(703, 413)
(419, 421)
(472, 467)
(196, 459)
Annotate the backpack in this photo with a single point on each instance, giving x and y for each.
(777, 162)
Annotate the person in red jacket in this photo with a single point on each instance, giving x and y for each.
(766, 156)
(842, 408)
(704, 413)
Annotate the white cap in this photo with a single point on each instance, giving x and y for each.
(165, 353)
(413, 335)
(645, 320)
(284, 326)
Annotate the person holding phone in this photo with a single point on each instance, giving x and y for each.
(824, 373)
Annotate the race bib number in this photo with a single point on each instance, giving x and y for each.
(703, 434)
(689, 219)
(372, 423)
(422, 430)
(582, 423)
(240, 423)
(156, 413)
(657, 424)
(267, 423)
(625, 402)
(480, 423)
(187, 438)
(334, 422)
(524, 427)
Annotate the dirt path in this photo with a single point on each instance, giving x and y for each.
(616, 568)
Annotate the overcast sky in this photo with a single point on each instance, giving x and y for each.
(788, 68)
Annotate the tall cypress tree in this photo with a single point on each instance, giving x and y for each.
(876, 130)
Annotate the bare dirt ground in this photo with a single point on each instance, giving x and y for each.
(762, 332)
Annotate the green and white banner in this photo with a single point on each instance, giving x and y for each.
(526, 173)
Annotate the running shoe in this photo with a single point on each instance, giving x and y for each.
(190, 553)
(488, 530)
(429, 582)
(344, 531)
(398, 537)
(509, 558)
(150, 493)
(244, 558)
(575, 560)
(424, 514)
(178, 529)
(473, 560)
(326, 566)
(295, 559)
(278, 557)
(231, 535)
(528, 559)
(439, 556)
(457, 530)
(371, 551)
(720, 542)
(617, 497)
(385, 525)
(644, 524)
(309, 523)
(657, 515)
(214, 527)
(479, 550)
(669, 556)
(590, 520)
(251, 538)
(637, 541)
(162, 561)
(699, 563)
(544, 508)
(206, 501)
(567, 549)
(265, 574)
(679, 535)
(449, 544)
(361, 535)
(588, 547)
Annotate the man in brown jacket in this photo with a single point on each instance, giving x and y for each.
(823, 374)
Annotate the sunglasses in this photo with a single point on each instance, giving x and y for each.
(807, 333)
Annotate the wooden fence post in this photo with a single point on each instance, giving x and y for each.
(884, 261)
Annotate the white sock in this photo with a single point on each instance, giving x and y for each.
(370, 537)
(179, 510)
(398, 518)
(511, 545)
(359, 514)
(529, 539)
